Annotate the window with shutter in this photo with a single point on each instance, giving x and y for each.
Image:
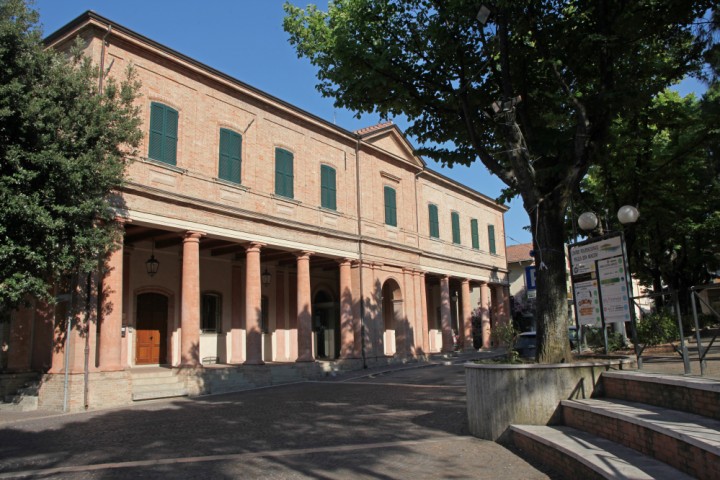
(327, 187)
(390, 207)
(283, 173)
(455, 217)
(491, 238)
(474, 234)
(163, 133)
(434, 222)
(230, 156)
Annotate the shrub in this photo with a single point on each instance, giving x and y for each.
(657, 328)
(594, 339)
(505, 334)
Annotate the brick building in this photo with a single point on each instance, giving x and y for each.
(279, 238)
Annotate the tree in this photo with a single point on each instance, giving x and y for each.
(532, 93)
(665, 162)
(63, 147)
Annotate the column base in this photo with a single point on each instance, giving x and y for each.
(305, 358)
(253, 362)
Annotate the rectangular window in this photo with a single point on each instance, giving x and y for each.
(455, 217)
(433, 220)
(491, 238)
(327, 187)
(210, 312)
(283, 173)
(390, 207)
(230, 156)
(474, 234)
(163, 133)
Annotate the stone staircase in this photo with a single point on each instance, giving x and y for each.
(154, 383)
(19, 392)
(645, 426)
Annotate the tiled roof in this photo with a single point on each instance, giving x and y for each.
(519, 253)
(372, 128)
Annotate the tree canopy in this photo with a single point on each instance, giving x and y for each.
(665, 162)
(63, 147)
(532, 93)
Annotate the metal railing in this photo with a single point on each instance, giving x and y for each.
(639, 348)
(694, 296)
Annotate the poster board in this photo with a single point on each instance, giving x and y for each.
(600, 281)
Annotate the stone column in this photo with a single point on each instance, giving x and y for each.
(485, 314)
(304, 308)
(111, 315)
(347, 337)
(190, 301)
(466, 315)
(501, 312)
(253, 305)
(445, 314)
(410, 316)
(236, 315)
(424, 313)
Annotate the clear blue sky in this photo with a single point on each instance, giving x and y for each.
(245, 39)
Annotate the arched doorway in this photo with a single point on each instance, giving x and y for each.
(395, 337)
(326, 326)
(151, 329)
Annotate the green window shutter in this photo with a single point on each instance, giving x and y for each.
(171, 136)
(474, 233)
(283, 173)
(163, 133)
(491, 238)
(433, 220)
(328, 191)
(455, 217)
(390, 207)
(230, 156)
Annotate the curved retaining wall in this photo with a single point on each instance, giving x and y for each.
(528, 394)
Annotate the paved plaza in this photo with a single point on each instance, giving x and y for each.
(402, 424)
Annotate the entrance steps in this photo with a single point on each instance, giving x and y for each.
(19, 392)
(156, 382)
(644, 426)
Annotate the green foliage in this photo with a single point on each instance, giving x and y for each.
(505, 334)
(595, 341)
(665, 162)
(576, 68)
(63, 147)
(657, 328)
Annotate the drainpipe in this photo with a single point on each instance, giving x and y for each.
(360, 252)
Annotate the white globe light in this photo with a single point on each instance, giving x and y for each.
(588, 221)
(628, 214)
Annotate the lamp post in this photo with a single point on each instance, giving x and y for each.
(627, 215)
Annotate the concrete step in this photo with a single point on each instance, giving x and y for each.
(578, 454)
(157, 383)
(150, 380)
(159, 393)
(697, 395)
(688, 442)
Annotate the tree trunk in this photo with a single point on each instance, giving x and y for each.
(548, 224)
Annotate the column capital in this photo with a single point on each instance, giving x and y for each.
(465, 281)
(190, 236)
(303, 254)
(254, 247)
(122, 220)
(345, 262)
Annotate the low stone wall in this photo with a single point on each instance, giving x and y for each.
(499, 395)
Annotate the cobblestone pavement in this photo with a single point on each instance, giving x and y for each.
(398, 423)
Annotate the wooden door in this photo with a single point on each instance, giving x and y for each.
(151, 329)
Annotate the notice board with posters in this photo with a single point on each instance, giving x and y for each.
(600, 281)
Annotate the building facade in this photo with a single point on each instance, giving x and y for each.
(257, 234)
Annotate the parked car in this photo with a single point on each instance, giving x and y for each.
(526, 342)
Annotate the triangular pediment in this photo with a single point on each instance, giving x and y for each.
(390, 139)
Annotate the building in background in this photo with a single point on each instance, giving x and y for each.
(257, 234)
